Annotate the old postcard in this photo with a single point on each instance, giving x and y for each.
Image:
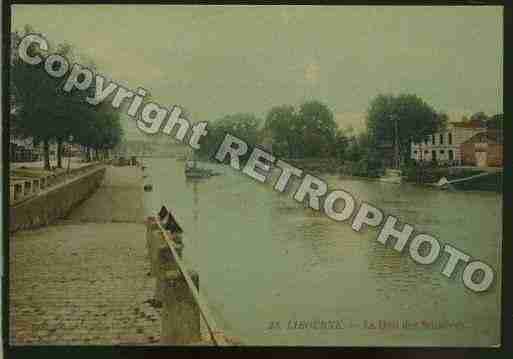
(254, 175)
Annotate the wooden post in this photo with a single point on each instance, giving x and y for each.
(180, 313)
(19, 190)
(153, 241)
(12, 191)
(37, 185)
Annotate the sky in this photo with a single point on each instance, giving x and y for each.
(219, 60)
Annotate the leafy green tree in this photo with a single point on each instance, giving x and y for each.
(318, 128)
(309, 132)
(480, 117)
(341, 145)
(99, 129)
(43, 111)
(280, 125)
(110, 131)
(65, 106)
(38, 105)
(245, 126)
(415, 120)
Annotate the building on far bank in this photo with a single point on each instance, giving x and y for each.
(483, 150)
(23, 150)
(26, 150)
(445, 147)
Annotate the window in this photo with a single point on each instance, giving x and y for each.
(442, 152)
(426, 152)
(425, 141)
(451, 155)
(450, 138)
(415, 151)
(432, 139)
(441, 138)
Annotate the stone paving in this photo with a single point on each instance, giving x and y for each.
(86, 283)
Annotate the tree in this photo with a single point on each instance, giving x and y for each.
(245, 126)
(65, 107)
(110, 131)
(480, 117)
(33, 99)
(99, 129)
(46, 113)
(309, 132)
(495, 122)
(43, 111)
(415, 120)
(318, 128)
(280, 126)
(341, 145)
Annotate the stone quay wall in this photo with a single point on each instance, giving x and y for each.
(56, 202)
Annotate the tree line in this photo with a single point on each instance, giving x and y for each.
(310, 131)
(42, 111)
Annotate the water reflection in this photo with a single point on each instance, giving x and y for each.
(194, 183)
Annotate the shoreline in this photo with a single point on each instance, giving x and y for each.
(497, 188)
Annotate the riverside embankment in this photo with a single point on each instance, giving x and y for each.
(48, 198)
(104, 274)
(84, 279)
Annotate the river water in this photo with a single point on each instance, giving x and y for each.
(263, 258)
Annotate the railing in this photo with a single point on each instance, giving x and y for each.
(172, 228)
(27, 183)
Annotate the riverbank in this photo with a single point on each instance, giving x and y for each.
(433, 174)
(38, 205)
(426, 175)
(84, 280)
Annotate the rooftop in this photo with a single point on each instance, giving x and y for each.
(477, 124)
(486, 137)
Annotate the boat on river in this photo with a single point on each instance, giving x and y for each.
(392, 176)
(192, 170)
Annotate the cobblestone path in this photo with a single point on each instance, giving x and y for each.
(85, 280)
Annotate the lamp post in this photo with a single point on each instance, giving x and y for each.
(70, 139)
(421, 161)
